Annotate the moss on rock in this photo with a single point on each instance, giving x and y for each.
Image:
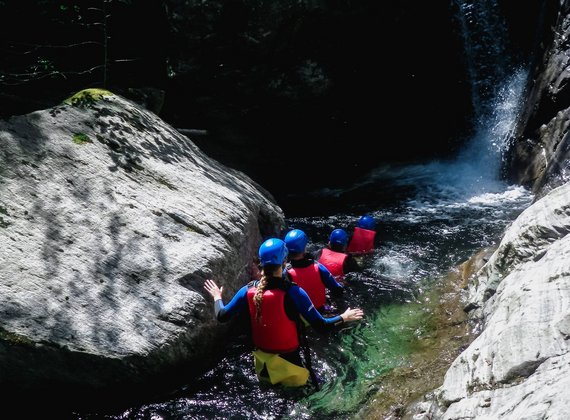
(87, 97)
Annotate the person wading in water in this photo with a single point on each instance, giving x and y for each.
(335, 257)
(311, 275)
(276, 305)
(362, 240)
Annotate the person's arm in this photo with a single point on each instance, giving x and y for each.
(226, 312)
(350, 265)
(329, 281)
(307, 310)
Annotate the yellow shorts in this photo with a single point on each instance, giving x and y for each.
(280, 371)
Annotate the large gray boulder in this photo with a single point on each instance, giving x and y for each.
(526, 322)
(528, 239)
(518, 367)
(110, 221)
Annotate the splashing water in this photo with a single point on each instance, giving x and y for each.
(485, 43)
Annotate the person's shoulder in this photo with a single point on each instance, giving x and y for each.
(252, 283)
(321, 266)
(287, 283)
(291, 287)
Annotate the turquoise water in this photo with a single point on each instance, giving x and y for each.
(373, 348)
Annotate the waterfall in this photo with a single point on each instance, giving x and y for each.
(484, 153)
(497, 86)
(485, 50)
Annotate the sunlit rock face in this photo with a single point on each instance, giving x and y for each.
(522, 296)
(540, 153)
(110, 221)
(519, 364)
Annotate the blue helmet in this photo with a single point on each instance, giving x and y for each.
(296, 241)
(272, 251)
(338, 236)
(367, 222)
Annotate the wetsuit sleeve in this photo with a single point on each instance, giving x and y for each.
(307, 310)
(329, 281)
(237, 305)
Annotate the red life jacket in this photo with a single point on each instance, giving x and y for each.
(276, 332)
(334, 261)
(362, 241)
(309, 279)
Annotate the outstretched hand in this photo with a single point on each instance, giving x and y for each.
(213, 289)
(352, 314)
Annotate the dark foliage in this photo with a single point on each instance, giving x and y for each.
(333, 88)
